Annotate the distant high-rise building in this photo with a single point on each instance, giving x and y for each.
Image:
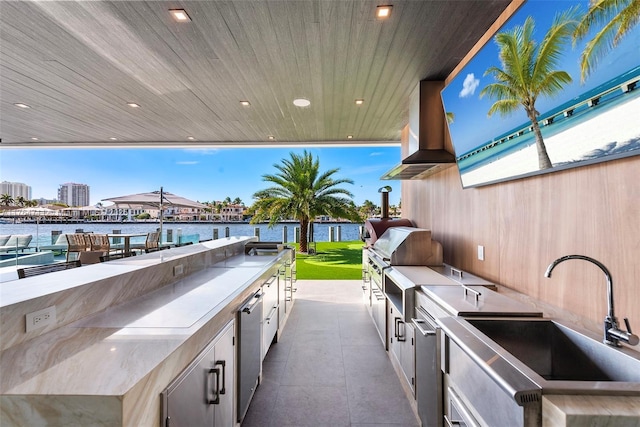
(15, 189)
(74, 194)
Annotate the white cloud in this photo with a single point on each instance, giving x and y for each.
(191, 162)
(469, 86)
(202, 151)
(376, 153)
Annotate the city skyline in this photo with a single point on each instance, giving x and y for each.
(208, 174)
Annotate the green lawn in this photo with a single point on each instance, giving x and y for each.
(333, 261)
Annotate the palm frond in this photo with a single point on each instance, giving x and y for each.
(629, 18)
(551, 49)
(616, 18)
(596, 49)
(504, 107)
(553, 82)
(600, 12)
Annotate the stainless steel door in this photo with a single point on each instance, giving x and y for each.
(379, 311)
(249, 350)
(183, 402)
(270, 312)
(202, 395)
(225, 363)
(428, 371)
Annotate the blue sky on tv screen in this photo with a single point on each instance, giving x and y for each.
(473, 128)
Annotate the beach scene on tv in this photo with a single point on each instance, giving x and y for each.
(557, 86)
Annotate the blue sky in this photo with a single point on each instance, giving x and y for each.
(472, 128)
(198, 174)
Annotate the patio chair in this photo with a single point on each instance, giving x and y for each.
(48, 268)
(152, 242)
(99, 243)
(16, 242)
(76, 243)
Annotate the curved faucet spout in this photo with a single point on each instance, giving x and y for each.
(612, 333)
(607, 275)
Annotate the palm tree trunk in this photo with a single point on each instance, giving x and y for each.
(543, 158)
(304, 226)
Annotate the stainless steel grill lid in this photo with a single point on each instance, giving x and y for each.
(404, 246)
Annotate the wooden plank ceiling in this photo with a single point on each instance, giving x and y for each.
(78, 63)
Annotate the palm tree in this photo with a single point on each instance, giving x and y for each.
(617, 18)
(21, 201)
(450, 115)
(368, 209)
(6, 199)
(529, 71)
(302, 192)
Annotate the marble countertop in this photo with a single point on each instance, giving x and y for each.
(110, 352)
(15, 291)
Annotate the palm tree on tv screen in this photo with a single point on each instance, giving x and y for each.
(302, 192)
(529, 71)
(616, 17)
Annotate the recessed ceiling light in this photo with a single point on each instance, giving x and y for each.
(349, 136)
(21, 105)
(301, 102)
(133, 105)
(180, 15)
(383, 12)
(359, 101)
(271, 138)
(245, 103)
(35, 139)
(191, 138)
(113, 138)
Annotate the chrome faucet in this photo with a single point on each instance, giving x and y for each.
(612, 333)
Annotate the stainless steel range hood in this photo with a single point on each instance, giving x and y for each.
(426, 135)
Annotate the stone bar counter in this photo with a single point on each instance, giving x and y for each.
(123, 330)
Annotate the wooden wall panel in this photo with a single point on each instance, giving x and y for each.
(525, 224)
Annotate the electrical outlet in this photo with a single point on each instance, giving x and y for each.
(481, 252)
(178, 269)
(41, 318)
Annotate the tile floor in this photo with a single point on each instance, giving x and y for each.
(329, 368)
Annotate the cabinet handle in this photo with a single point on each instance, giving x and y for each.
(398, 321)
(455, 271)
(223, 363)
(270, 281)
(216, 391)
(475, 293)
(271, 313)
(418, 324)
(248, 308)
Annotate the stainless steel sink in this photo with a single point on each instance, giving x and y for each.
(560, 358)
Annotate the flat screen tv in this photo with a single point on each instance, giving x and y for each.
(580, 120)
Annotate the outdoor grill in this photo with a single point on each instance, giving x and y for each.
(399, 246)
(374, 228)
(396, 242)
